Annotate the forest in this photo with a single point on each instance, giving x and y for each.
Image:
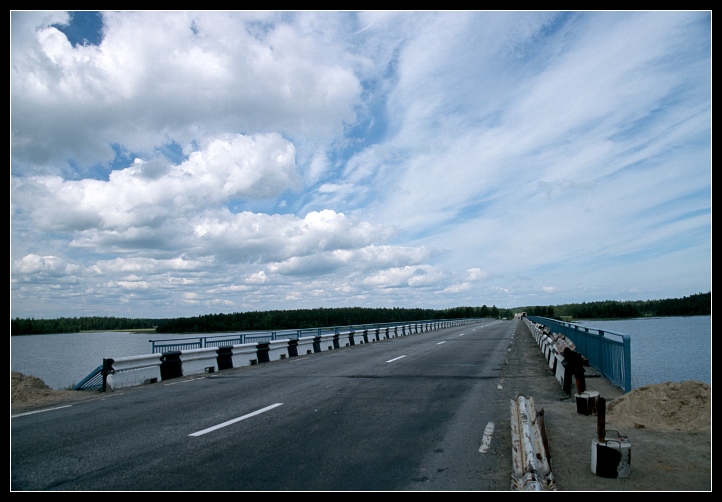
(699, 304)
(252, 321)
(76, 324)
(315, 318)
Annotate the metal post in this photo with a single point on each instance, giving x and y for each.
(107, 368)
(627, 365)
(601, 419)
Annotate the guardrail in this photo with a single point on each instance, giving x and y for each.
(208, 354)
(607, 351)
(230, 339)
(530, 452)
(94, 380)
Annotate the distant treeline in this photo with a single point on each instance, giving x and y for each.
(253, 321)
(75, 324)
(315, 318)
(699, 304)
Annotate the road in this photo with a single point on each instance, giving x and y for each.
(409, 413)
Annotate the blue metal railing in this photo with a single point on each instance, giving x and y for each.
(93, 381)
(607, 351)
(199, 342)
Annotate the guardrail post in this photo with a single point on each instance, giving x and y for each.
(107, 368)
(170, 366)
(262, 349)
(224, 358)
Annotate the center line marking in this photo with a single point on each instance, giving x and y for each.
(395, 359)
(224, 424)
(486, 441)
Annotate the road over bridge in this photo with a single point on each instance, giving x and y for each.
(409, 413)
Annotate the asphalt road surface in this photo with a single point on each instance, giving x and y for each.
(420, 412)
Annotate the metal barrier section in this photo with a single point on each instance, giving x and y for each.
(93, 381)
(229, 340)
(201, 342)
(607, 351)
(531, 461)
(177, 357)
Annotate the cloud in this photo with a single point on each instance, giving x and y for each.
(171, 76)
(409, 276)
(257, 278)
(43, 265)
(476, 274)
(249, 237)
(133, 285)
(228, 168)
(365, 259)
(457, 288)
(216, 161)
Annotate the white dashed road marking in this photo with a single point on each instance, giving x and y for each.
(224, 424)
(486, 441)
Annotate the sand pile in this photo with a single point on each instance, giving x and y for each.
(26, 387)
(684, 406)
(29, 390)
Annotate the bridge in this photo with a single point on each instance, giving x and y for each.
(392, 413)
(175, 357)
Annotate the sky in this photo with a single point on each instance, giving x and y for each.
(176, 164)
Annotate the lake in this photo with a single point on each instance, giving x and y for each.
(663, 349)
(64, 359)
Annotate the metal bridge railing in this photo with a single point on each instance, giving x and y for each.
(93, 381)
(97, 379)
(607, 351)
(199, 342)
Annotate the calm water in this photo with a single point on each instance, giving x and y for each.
(663, 349)
(666, 349)
(64, 359)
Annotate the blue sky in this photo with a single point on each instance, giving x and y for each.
(173, 164)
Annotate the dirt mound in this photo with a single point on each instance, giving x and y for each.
(682, 406)
(26, 387)
(28, 391)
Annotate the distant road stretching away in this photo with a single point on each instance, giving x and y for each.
(409, 413)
